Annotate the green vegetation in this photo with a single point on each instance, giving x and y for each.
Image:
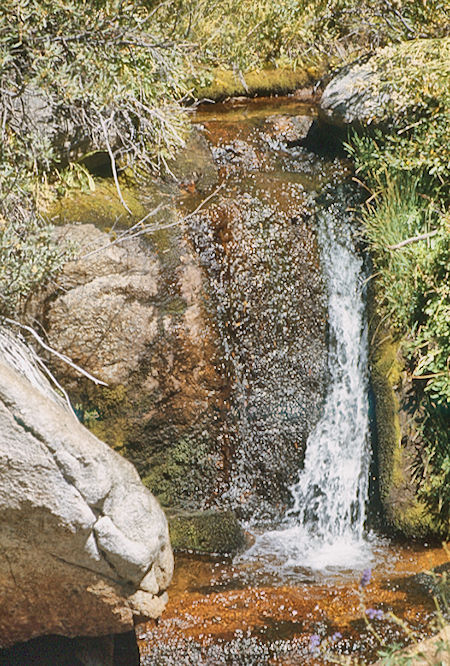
(415, 78)
(28, 257)
(407, 224)
(246, 35)
(77, 77)
(80, 76)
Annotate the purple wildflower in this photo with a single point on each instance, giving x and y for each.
(314, 642)
(365, 578)
(375, 613)
(336, 636)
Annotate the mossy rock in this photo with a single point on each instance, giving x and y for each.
(396, 432)
(100, 205)
(193, 165)
(185, 468)
(207, 532)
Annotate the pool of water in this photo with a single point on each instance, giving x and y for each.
(243, 612)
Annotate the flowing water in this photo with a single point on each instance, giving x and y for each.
(280, 248)
(325, 526)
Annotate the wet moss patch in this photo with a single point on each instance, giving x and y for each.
(396, 435)
(207, 532)
(180, 473)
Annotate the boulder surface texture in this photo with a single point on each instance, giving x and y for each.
(131, 313)
(84, 546)
(396, 86)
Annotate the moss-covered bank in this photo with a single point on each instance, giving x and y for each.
(223, 83)
(398, 439)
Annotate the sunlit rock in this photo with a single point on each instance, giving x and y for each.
(72, 553)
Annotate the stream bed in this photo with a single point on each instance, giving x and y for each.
(222, 613)
(299, 465)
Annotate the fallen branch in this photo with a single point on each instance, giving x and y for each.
(113, 164)
(62, 357)
(413, 239)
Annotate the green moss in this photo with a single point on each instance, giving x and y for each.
(384, 360)
(182, 471)
(404, 510)
(207, 532)
(226, 83)
(112, 406)
(100, 206)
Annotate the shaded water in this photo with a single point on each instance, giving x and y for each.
(298, 461)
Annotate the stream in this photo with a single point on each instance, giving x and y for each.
(283, 257)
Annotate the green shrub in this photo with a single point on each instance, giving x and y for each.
(407, 167)
(28, 258)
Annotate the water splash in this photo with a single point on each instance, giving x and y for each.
(325, 526)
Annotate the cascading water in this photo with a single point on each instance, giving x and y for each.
(297, 400)
(259, 247)
(324, 527)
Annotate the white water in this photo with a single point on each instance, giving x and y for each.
(325, 526)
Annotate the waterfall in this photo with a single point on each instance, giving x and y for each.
(324, 527)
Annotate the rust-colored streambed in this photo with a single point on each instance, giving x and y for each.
(244, 612)
(218, 615)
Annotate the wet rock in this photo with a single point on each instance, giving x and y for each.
(132, 314)
(194, 165)
(436, 583)
(71, 559)
(266, 289)
(290, 129)
(237, 152)
(154, 319)
(207, 532)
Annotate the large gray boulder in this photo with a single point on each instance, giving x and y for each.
(353, 98)
(84, 546)
(132, 314)
(396, 86)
